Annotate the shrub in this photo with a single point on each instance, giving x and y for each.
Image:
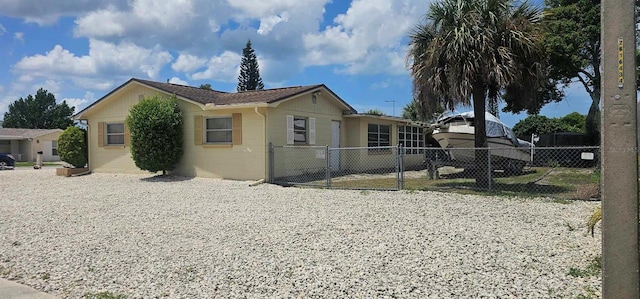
(594, 219)
(72, 146)
(155, 125)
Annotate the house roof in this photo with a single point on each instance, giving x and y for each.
(220, 98)
(19, 134)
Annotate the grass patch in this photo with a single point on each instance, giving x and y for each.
(104, 295)
(563, 183)
(373, 183)
(593, 268)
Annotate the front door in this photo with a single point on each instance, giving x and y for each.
(335, 143)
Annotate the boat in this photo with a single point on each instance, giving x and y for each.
(455, 133)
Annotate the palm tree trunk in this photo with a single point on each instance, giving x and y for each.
(480, 140)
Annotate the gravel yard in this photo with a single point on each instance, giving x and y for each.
(146, 237)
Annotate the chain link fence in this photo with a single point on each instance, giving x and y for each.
(562, 172)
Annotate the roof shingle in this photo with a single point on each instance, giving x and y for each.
(25, 133)
(220, 98)
(206, 96)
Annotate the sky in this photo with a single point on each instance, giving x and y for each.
(80, 50)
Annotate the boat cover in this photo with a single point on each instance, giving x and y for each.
(495, 127)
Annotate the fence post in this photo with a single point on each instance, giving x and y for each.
(271, 163)
(402, 152)
(327, 155)
(489, 170)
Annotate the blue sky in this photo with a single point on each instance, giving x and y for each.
(80, 50)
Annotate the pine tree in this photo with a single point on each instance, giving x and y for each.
(249, 78)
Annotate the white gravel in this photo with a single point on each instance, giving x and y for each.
(145, 237)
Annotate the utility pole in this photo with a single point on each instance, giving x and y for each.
(620, 277)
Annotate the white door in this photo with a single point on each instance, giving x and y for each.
(335, 143)
(46, 150)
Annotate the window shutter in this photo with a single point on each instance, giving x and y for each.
(198, 127)
(312, 130)
(127, 135)
(236, 123)
(101, 126)
(290, 134)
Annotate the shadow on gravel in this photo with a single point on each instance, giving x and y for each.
(166, 178)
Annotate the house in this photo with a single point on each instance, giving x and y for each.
(227, 135)
(24, 144)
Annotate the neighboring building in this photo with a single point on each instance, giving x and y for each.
(227, 135)
(24, 144)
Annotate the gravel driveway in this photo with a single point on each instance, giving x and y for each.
(146, 237)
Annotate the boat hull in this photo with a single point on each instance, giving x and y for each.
(461, 147)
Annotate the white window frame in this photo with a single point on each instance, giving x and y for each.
(54, 148)
(107, 134)
(412, 138)
(207, 130)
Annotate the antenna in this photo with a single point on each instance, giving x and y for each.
(394, 106)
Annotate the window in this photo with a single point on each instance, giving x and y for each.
(299, 130)
(219, 129)
(54, 147)
(379, 135)
(115, 134)
(412, 138)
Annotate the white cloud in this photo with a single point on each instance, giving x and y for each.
(176, 80)
(2, 29)
(48, 12)
(75, 103)
(19, 36)
(127, 57)
(136, 38)
(381, 85)
(225, 68)
(167, 14)
(104, 58)
(101, 23)
(98, 83)
(80, 103)
(153, 15)
(267, 24)
(368, 38)
(59, 61)
(188, 63)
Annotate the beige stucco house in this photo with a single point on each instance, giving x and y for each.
(227, 135)
(24, 144)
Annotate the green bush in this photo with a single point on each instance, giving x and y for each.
(155, 125)
(72, 146)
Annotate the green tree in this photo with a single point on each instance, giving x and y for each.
(39, 112)
(72, 146)
(249, 78)
(206, 86)
(377, 112)
(468, 51)
(572, 39)
(538, 124)
(155, 125)
(417, 112)
(574, 121)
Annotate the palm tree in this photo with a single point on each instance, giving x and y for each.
(468, 51)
